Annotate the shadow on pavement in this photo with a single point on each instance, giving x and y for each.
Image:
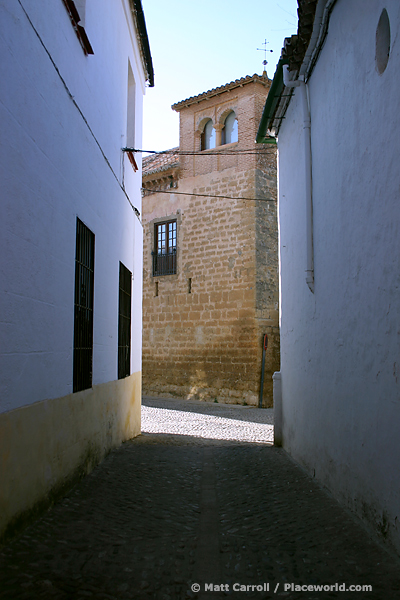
(177, 439)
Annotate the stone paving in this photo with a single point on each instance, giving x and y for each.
(186, 512)
(207, 420)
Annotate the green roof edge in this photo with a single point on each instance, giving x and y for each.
(271, 103)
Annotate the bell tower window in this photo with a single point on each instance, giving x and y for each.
(208, 136)
(230, 129)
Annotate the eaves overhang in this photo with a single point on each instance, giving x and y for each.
(137, 10)
(300, 52)
(273, 112)
(172, 168)
(238, 83)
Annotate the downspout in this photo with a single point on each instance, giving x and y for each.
(308, 172)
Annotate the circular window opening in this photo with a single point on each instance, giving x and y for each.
(382, 42)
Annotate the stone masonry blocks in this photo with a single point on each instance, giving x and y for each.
(203, 332)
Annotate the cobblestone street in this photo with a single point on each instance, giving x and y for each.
(201, 497)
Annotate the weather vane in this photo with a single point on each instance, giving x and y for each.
(265, 50)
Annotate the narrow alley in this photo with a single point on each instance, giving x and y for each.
(201, 505)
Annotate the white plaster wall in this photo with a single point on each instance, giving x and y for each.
(60, 160)
(340, 348)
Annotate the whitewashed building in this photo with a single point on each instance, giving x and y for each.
(73, 78)
(334, 106)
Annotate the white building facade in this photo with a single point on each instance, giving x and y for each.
(73, 79)
(339, 219)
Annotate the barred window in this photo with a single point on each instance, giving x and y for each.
(83, 309)
(164, 254)
(124, 322)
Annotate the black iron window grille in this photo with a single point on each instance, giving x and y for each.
(164, 254)
(124, 322)
(83, 309)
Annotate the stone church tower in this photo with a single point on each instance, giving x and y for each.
(211, 252)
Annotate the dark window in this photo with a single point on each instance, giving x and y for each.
(124, 322)
(164, 254)
(83, 315)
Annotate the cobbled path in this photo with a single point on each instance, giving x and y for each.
(208, 421)
(185, 504)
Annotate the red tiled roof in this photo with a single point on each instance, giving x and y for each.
(155, 163)
(223, 88)
(296, 46)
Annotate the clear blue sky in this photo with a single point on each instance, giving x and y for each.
(199, 45)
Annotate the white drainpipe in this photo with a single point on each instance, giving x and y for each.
(308, 172)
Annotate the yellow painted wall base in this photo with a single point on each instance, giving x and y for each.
(47, 446)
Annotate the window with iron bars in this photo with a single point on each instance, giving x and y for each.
(124, 322)
(164, 253)
(83, 308)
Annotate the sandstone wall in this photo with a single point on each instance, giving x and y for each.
(203, 327)
(203, 332)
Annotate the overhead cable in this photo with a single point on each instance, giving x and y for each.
(171, 191)
(257, 151)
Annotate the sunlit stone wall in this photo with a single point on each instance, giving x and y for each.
(203, 326)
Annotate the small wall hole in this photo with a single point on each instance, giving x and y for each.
(156, 289)
(382, 42)
(189, 285)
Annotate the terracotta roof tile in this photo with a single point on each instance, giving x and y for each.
(296, 46)
(156, 163)
(223, 88)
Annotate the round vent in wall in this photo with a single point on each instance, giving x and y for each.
(382, 42)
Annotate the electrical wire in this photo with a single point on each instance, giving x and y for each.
(152, 191)
(135, 210)
(256, 152)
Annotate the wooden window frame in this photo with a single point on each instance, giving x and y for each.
(165, 262)
(79, 29)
